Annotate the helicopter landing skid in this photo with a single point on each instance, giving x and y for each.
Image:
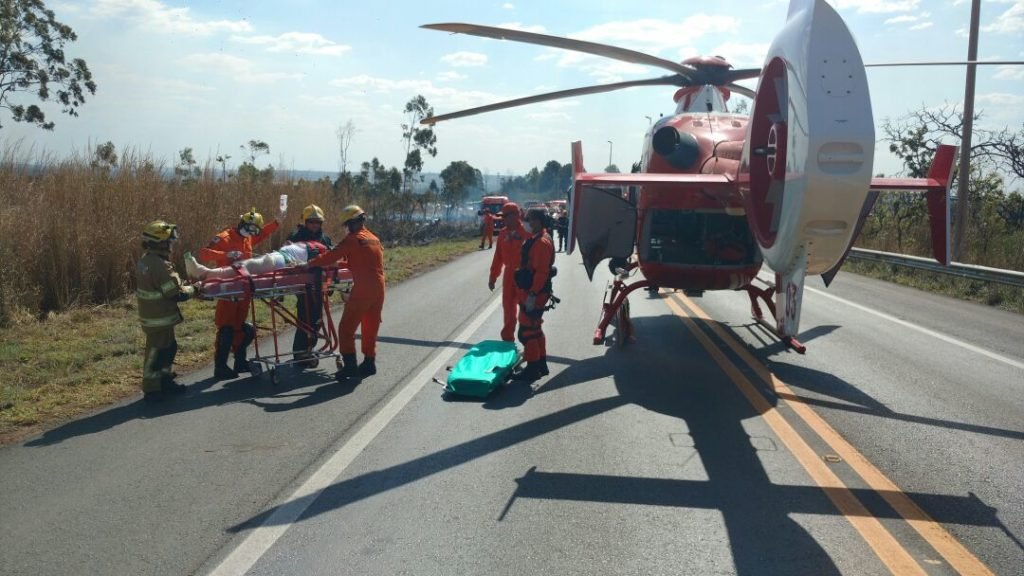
(614, 300)
(766, 294)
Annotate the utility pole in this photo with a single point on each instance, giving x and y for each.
(963, 179)
(610, 146)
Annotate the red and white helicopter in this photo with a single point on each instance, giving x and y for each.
(717, 195)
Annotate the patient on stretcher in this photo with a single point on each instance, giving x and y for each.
(292, 254)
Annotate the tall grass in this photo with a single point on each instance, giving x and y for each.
(70, 231)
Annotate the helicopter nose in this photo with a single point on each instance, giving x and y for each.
(680, 150)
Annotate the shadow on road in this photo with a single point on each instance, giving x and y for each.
(200, 395)
(671, 375)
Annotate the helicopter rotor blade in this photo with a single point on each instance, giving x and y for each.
(613, 52)
(961, 63)
(742, 90)
(673, 80)
(741, 74)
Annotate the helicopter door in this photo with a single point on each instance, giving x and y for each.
(603, 222)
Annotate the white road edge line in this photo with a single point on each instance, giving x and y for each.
(257, 542)
(923, 330)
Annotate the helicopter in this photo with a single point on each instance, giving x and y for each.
(716, 196)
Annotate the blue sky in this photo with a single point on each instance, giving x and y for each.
(213, 75)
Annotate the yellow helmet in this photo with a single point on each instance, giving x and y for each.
(159, 231)
(351, 212)
(312, 212)
(252, 217)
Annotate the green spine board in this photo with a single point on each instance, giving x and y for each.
(483, 368)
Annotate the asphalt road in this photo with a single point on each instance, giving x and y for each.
(895, 445)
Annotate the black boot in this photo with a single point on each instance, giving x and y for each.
(368, 367)
(221, 371)
(349, 368)
(241, 364)
(542, 366)
(528, 374)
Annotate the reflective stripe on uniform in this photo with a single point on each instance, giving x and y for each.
(149, 295)
(160, 322)
(169, 287)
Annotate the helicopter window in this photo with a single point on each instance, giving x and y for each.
(698, 238)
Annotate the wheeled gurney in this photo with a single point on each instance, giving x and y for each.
(318, 284)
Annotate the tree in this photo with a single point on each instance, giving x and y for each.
(457, 179)
(612, 169)
(32, 60)
(914, 138)
(345, 133)
(186, 168)
(416, 138)
(548, 180)
(256, 148)
(223, 160)
(104, 156)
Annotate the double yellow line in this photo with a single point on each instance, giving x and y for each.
(889, 550)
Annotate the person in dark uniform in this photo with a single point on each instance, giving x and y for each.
(309, 307)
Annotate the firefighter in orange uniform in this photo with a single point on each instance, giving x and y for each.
(488, 233)
(233, 333)
(533, 278)
(365, 257)
(510, 244)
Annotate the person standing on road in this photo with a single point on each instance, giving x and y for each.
(309, 306)
(562, 227)
(365, 256)
(233, 333)
(158, 291)
(507, 256)
(488, 229)
(533, 278)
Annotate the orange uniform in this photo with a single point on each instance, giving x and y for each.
(365, 257)
(507, 256)
(215, 254)
(539, 260)
(488, 234)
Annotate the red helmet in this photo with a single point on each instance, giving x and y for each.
(510, 208)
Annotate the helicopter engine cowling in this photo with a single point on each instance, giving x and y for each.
(806, 164)
(679, 149)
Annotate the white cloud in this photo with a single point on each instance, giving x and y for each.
(1009, 22)
(921, 26)
(442, 98)
(449, 76)
(238, 69)
(538, 29)
(900, 19)
(298, 42)
(649, 35)
(613, 71)
(1009, 73)
(877, 6)
(742, 55)
(153, 15)
(464, 59)
(508, 6)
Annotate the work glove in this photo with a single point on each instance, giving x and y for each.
(531, 302)
(234, 255)
(490, 285)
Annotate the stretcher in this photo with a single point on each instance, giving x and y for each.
(270, 289)
(483, 368)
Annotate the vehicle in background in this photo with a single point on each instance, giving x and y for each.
(493, 205)
(556, 206)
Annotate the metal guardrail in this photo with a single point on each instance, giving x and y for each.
(983, 273)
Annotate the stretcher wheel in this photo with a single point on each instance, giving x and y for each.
(313, 363)
(275, 378)
(256, 368)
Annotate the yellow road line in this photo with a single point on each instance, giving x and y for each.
(959, 557)
(889, 551)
